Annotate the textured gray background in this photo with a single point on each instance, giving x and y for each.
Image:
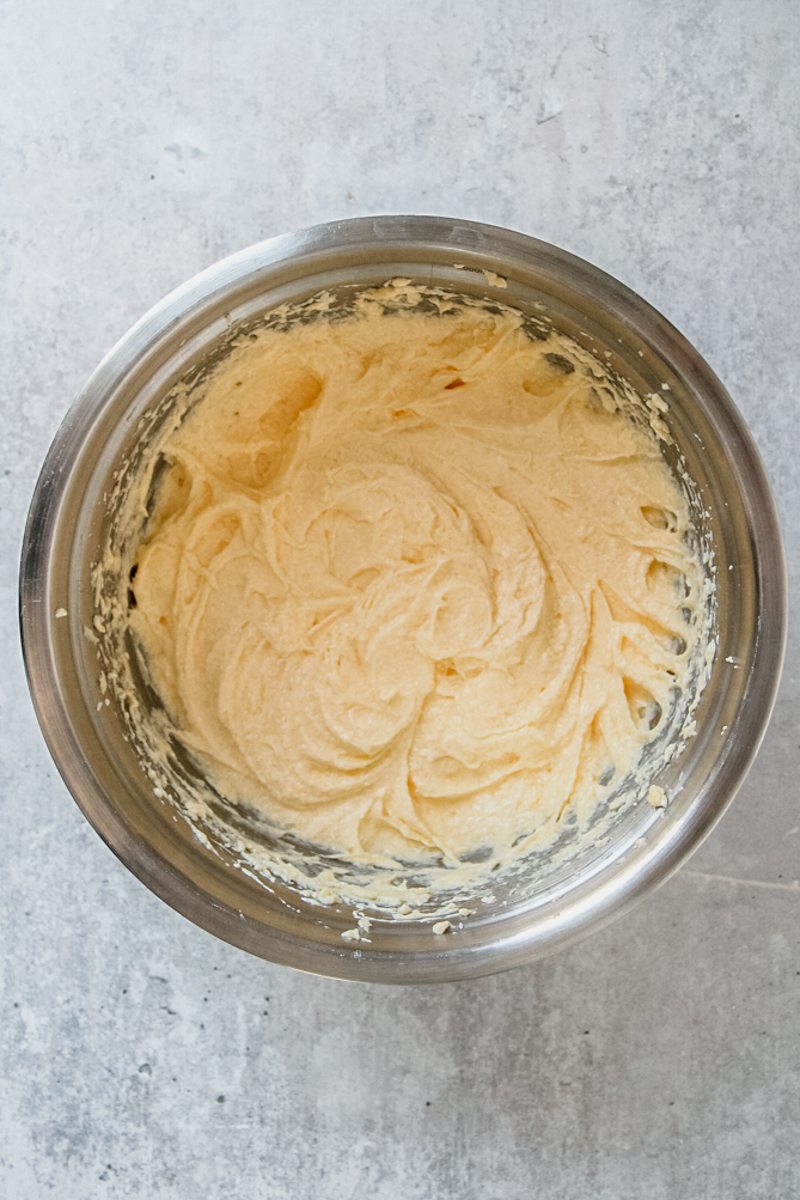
(141, 1058)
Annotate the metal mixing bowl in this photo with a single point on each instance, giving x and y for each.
(67, 524)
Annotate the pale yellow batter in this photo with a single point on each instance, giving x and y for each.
(413, 585)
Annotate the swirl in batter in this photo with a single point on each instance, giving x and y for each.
(414, 585)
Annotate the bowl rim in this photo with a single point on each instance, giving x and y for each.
(641, 870)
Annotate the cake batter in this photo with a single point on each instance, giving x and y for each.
(414, 586)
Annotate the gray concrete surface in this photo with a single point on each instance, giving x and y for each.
(139, 1057)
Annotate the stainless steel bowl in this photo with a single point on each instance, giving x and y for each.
(65, 532)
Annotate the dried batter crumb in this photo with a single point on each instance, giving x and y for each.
(657, 796)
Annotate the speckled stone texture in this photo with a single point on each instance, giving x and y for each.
(139, 1056)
